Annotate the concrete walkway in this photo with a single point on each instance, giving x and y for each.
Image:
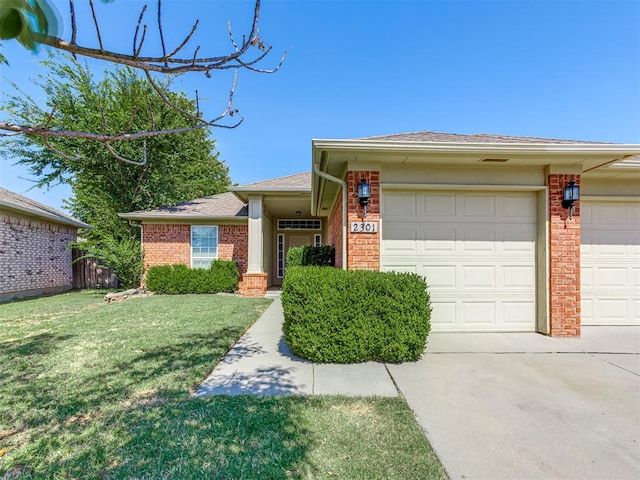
(262, 364)
(494, 406)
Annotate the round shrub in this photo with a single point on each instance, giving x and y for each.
(351, 316)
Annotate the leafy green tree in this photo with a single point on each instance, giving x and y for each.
(178, 167)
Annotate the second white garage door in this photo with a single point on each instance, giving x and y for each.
(610, 263)
(476, 250)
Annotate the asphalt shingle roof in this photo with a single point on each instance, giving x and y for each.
(221, 205)
(299, 180)
(438, 137)
(19, 202)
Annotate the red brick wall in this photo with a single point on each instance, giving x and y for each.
(253, 284)
(233, 244)
(564, 260)
(171, 244)
(34, 256)
(334, 229)
(166, 244)
(363, 249)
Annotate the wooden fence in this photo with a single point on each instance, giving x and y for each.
(88, 274)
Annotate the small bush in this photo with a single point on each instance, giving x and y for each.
(322, 256)
(340, 316)
(222, 276)
(294, 256)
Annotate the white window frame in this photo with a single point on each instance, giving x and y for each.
(317, 240)
(212, 259)
(281, 256)
(282, 224)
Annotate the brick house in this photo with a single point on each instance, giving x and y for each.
(34, 258)
(480, 216)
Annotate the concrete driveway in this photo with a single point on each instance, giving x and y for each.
(526, 406)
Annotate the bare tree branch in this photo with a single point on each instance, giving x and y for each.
(41, 131)
(164, 49)
(95, 22)
(59, 152)
(125, 160)
(237, 58)
(136, 49)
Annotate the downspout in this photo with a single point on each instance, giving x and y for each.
(342, 183)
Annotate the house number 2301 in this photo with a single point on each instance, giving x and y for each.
(364, 227)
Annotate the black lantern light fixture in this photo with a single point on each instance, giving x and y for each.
(364, 194)
(571, 195)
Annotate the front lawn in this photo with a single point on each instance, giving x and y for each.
(96, 390)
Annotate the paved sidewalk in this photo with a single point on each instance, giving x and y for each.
(260, 363)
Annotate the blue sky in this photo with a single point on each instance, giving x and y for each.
(557, 69)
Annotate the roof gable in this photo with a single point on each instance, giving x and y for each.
(297, 181)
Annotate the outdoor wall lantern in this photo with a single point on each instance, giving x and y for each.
(571, 194)
(364, 194)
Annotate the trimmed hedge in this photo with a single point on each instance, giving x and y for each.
(222, 276)
(294, 256)
(322, 256)
(352, 316)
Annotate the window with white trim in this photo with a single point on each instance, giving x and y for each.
(204, 246)
(300, 224)
(281, 256)
(317, 240)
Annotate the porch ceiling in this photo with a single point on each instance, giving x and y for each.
(286, 206)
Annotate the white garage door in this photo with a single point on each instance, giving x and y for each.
(610, 263)
(476, 251)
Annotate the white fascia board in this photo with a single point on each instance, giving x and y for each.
(466, 147)
(243, 192)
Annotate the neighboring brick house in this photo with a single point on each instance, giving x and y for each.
(34, 253)
(479, 216)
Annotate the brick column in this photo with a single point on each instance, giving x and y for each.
(334, 229)
(564, 260)
(253, 284)
(363, 249)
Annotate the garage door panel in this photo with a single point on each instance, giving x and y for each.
(475, 206)
(610, 263)
(517, 313)
(400, 205)
(476, 251)
(478, 276)
(439, 240)
(443, 315)
(441, 276)
(475, 241)
(519, 277)
(404, 241)
(437, 205)
(518, 206)
(479, 313)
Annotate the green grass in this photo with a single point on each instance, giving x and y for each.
(96, 390)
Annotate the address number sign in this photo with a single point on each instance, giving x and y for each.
(364, 227)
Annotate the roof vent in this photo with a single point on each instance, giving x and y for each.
(494, 160)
